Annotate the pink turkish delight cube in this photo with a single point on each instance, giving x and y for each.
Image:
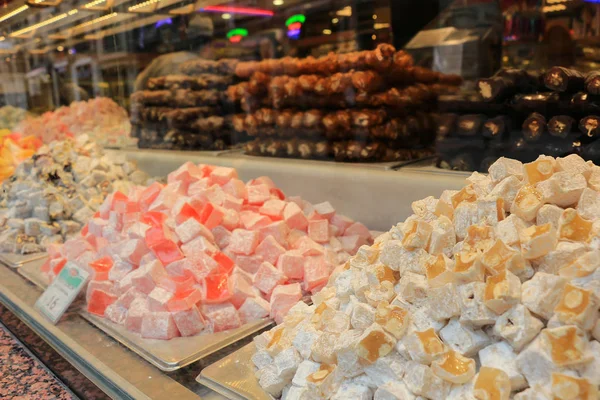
(178, 268)
(191, 229)
(254, 308)
(129, 296)
(268, 277)
(104, 285)
(132, 251)
(222, 175)
(96, 225)
(294, 217)
(236, 188)
(351, 244)
(278, 229)
(308, 247)
(358, 229)
(159, 325)
(291, 264)
(316, 272)
(187, 172)
(222, 236)
(189, 322)
(249, 264)
(135, 313)
(158, 299)
(325, 209)
(263, 180)
(341, 222)
(198, 245)
(240, 289)
(269, 249)
(319, 230)
(201, 266)
(116, 313)
(185, 300)
(243, 241)
(293, 237)
(72, 249)
(273, 208)
(147, 276)
(253, 220)
(138, 230)
(258, 194)
(233, 203)
(282, 299)
(231, 219)
(222, 316)
(196, 189)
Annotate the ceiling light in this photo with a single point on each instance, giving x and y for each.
(93, 3)
(60, 48)
(95, 21)
(374, 37)
(374, 16)
(38, 25)
(326, 31)
(13, 13)
(144, 4)
(73, 12)
(277, 2)
(382, 25)
(344, 12)
(226, 16)
(239, 10)
(335, 20)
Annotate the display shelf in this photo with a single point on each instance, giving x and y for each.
(120, 373)
(355, 190)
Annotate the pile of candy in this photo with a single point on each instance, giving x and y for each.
(13, 150)
(103, 120)
(53, 193)
(11, 116)
(490, 292)
(205, 253)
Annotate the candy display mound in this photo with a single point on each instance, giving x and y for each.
(100, 118)
(10, 116)
(489, 292)
(51, 195)
(205, 253)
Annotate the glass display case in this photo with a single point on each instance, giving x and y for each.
(228, 178)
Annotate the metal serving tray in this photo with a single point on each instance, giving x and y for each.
(17, 260)
(32, 271)
(233, 376)
(170, 355)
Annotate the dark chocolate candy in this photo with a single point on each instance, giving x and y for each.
(495, 88)
(592, 82)
(533, 127)
(561, 79)
(590, 125)
(545, 103)
(469, 125)
(496, 128)
(561, 126)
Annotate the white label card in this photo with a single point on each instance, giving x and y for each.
(57, 298)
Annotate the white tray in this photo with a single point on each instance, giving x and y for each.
(17, 260)
(170, 355)
(233, 376)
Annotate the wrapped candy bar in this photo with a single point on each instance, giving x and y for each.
(505, 84)
(592, 82)
(469, 125)
(562, 79)
(497, 128)
(55, 192)
(561, 126)
(206, 252)
(590, 126)
(489, 292)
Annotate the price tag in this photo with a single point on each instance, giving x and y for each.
(62, 292)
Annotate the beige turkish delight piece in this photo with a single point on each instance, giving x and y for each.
(424, 346)
(565, 345)
(589, 204)
(421, 380)
(562, 256)
(517, 326)
(444, 206)
(583, 266)
(509, 229)
(549, 213)
(502, 291)
(397, 257)
(491, 383)
(562, 189)
(463, 338)
(502, 356)
(465, 215)
(482, 184)
(382, 292)
(324, 382)
(539, 170)
(507, 190)
(571, 226)
(467, 267)
(466, 194)
(412, 288)
(538, 240)
(443, 302)
(527, 202)
(473, 309)
(439, 271)
(504, 167)
(594, 179)
(425, 208)
(567, 387)
(490, 210)
(573, 164)
(454, 368)
(393, 319)
(374, 343)
(443, 237)
(542, 293)
(577, 307)
(416, 234)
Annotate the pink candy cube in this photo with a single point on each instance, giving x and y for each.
(96, 225)
(129, 296)
(189, 322)
(198, 245)
(222, 236)
(116, 313)
(316, 272)
(231, 219)
(254, 308)
(158, 299)
(191, 229)
(351, 244)
(249, 264)
(240, 289)
(72, 249)
(358, 229)
(291, 264)
(236, 188)
(187, 172)
(279, 230)
(308, 247)
(135, 313)
(222, 175)
(283, 298)
(324, 209)
(243, 241)
(252, 220)
(132, 251)
(258, 194)
(147, 276)
(273, 208)
(294, 217)
(319, 231)
(268, 277)
(105, 286)
(233, 203)
(269, 250)
(222, 316)
(341, 222)
(159, 325)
